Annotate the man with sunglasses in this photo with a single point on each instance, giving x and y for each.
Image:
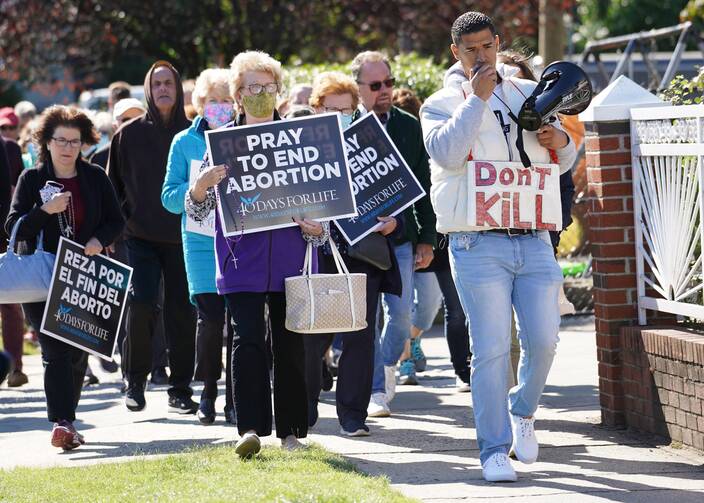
(414, 249)
(496, 269)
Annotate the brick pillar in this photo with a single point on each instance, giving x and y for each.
(611, 234)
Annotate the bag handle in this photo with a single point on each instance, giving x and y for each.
(339, 262)
(13, 237)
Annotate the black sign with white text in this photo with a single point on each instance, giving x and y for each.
(87, 298)
(382, 182)
(280, 170)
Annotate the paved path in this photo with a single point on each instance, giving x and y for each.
(427, 449)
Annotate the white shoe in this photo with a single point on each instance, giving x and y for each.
(359, 432)
(377, 406)
(248, 445)
(462, 387)
(525, 445)
(390, 381)
(291, 443)
(498, 469)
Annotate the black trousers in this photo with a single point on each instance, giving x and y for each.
(159, 357)
(355, 370)
(211, 321)
(456, 328)
(64, 369)
(250, 372)
(315, 346)
(151, 261)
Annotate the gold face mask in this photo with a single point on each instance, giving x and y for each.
(260, 105)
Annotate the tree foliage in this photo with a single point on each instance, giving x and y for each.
(91, 36)
(607, 18)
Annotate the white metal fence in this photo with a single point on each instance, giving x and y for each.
(667, 146)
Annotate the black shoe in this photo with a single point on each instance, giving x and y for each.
(206, 411)
(134, 398)
(327, 378)
(109, 366)
(123, 387)
(182, 405)
(159, 376)
(230, 416)
(90, 379)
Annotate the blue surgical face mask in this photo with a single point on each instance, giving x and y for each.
(346, 120)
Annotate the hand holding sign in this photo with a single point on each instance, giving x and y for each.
(310, 227)
(93, 247)
(388, 226)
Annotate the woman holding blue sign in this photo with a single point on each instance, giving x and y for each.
(215, 107)
(250, 274)
(373, 256)
(64, 196)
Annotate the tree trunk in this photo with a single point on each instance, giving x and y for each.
(551, 38)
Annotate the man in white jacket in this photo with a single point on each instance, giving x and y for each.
(496, 269)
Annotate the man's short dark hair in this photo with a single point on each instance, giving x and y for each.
(470, 22)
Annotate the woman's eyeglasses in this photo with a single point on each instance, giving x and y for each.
(62, 142)
(270, 88)
(345, 111)
(376, 85)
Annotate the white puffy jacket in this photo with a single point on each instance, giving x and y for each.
(456, 122)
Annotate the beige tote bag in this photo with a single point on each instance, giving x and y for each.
(326, 303)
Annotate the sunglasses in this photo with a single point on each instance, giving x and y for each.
(375, 86)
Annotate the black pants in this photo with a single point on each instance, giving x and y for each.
(159, 357)
(150, 261)
(64, 369)
(456, 331)
(211, 321)
(315, 346)
(250, 373)
(355, 370)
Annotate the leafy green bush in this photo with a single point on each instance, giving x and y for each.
(683, 91)
(421, 74)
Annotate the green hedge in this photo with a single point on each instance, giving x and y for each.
(418, 73)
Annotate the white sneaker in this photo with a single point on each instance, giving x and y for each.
(248, 445)
(525, 445)
(390, 381)
(359, 432)
(291, 443)
(498, 469)
(462, 387)
(377, 406)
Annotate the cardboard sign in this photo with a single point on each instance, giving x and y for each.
(87, 297)
(207, 226)
(504, 194)
(383, 184)
(280, 170)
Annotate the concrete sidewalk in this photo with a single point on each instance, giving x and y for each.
(427, 448)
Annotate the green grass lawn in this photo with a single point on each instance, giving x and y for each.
(203, 474)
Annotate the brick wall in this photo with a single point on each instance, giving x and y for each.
(663, 382)
(611, 234)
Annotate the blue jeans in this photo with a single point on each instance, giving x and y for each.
(389, 342)
(493, 274)
(427, 299)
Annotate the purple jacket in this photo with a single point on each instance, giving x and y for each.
(262, 260)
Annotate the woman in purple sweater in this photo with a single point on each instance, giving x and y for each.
(251, 269)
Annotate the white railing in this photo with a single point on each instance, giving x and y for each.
(667, 146)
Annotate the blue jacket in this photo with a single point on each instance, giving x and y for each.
(198, 249)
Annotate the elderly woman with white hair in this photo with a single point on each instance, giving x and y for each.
(251, 269)
(215, 107)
